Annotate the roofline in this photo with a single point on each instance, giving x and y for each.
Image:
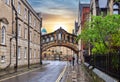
(57, 30)
(26, 3)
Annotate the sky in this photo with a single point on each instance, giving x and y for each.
(57, 13)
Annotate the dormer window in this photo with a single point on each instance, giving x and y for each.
(102, 3)
(115, 9)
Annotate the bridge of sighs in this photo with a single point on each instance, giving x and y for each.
(59, 37)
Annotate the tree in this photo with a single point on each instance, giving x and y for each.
(111, 6)
(102, 33)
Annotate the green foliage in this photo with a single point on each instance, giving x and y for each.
(115, 61)
(117, 0)
(99, 48)
(102, 33)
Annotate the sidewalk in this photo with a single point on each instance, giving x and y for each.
(77, 73)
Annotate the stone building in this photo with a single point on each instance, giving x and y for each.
(83, 16)
(64, 52)
(28, 31)
(104, 6)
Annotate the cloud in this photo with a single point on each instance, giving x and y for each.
(50, 6)
(57, 11)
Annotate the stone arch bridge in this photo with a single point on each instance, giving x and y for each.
(59, 37)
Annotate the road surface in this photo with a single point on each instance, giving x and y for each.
(48, 73)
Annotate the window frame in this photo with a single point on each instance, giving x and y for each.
(115, 8)
(3, 35)
(35, 53)
(30, 18)
(25, 52)
(2, 59)
(30, 53)
(34, 22)
(25, 33)
(7, 2)
(19, 7)
(19, 30)
(30, 35)
(19, 56)
(25, 13)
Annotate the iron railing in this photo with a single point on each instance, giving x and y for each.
(108, 63)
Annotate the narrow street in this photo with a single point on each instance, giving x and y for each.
(59, 40)
(48, 73)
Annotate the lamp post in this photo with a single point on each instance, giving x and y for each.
(16, 37)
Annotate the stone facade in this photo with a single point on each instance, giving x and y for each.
(83, 16)
(66, 52)
(109, 7)
(7, 36)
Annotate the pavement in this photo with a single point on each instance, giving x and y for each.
(76, 73)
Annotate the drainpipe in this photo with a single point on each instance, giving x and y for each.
(12, 36)
(10, 54)
(16, 37)
(16, 18)
(28, 39)
(40, 41)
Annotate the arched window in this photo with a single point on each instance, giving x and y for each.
(3, 35)
(48, 39)
(68, 38)
(43, 40)
(52, 38)
(59, 36)
(115, 9)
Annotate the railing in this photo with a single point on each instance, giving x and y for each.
(109, 63)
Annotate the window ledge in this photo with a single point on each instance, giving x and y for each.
(2, 61)
(19, 58)
(25, 57)
(3, 45)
